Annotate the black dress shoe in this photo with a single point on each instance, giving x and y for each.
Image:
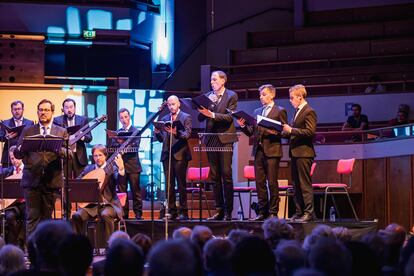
(228, 217)
(273, 216)
(138, 217)
(306, 218)
(295, 217)
(183, 217)
(260, 217)
(217, 216)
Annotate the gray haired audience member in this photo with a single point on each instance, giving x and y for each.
(289, 257)
(182, 233)
(342, 233)
(200, 235)
(237, 235)
(329, 256)
(117, 235)
(174, 258)
(217, 255)
(320, 231)
(11, 259)
(275, 230)
(124, 258)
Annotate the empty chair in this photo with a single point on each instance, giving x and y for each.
(344, 167)
(193, 176)
(248, 173)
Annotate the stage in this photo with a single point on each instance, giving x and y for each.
(156, 229)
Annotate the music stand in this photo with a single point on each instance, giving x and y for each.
(211, 142)
(85, 190)
(11, 189)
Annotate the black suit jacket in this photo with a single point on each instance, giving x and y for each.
(180, 148)
(303, 132)
(41, 168)
(223, 121)
(7, 171)
(109, 193)
(271, 143)
(80, 145)
(131, 160)
(13, 141)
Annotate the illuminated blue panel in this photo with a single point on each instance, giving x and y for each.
(140, 96)
(127, 103)
(98, 134)
(146, 143)
(141, 17)
(140, 116)
(153, 93)
(99, 19)
(125, 91)
(73, 21)
(53, 31)
(154, 104)
(55, 41)
(79, 42)
(124, 24)
(101, 104)
(90, 111)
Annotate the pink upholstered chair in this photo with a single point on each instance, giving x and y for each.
(248, 173)
(344, 167)
(193, 176)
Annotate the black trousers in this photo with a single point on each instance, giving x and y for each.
(105, 212)
(177, 177)
(133, 180)
(267, 168)
(40, 203)
(302, 184)
(222, 176)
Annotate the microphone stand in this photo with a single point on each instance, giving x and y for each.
(168, 181)
(3, 206)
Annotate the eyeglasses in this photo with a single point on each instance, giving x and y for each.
(44, 110)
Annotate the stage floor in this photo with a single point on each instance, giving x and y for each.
(157, 228)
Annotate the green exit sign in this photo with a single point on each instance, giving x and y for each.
(87, 34)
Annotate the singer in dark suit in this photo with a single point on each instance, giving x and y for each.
(181, 154)
(301, 151)
(111, 207)
(218, 120)
(267, 151)
(132, 167)
(69, 119)
(42, 173)
(10, 139)
(14, 211)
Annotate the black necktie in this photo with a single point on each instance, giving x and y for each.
(44, 130)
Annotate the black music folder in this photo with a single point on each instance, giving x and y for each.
(73, 129)
(161, 124)
(241, 114)
(39, 142)
(269, 123)
(18, 129)
(203, 101)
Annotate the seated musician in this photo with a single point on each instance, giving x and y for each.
(110, 208)
(14, 208)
